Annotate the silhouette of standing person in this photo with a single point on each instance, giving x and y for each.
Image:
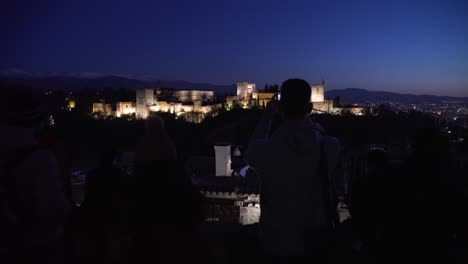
(293, 211)
(165, 206)
(422, 201)
(34, 204)
(101, 207)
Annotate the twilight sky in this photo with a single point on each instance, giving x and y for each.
(407, 46)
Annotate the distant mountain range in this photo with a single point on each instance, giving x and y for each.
(74, 81)
(358, 96)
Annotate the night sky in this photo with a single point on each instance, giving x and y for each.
(416, 47)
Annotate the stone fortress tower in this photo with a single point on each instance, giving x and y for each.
(144, 99)
(318, 93)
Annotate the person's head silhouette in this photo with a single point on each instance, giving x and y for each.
(295, 99)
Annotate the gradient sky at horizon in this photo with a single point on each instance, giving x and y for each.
(418, 47)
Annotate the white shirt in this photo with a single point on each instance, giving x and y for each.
(290, 196)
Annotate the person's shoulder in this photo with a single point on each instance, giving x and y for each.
(319, 129)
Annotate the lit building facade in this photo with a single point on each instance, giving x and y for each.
(193, 95)
(230, 101)
(179, 103)
(325, 106)
(102, 108)
(264, 98)
(249, 214)
(321, 106)
(124, 108)
(246, 91)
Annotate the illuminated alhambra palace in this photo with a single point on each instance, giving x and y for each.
(202, 102)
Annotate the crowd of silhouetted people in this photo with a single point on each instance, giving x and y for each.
(414, 207)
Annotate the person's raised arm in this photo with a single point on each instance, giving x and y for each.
(261, 132)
